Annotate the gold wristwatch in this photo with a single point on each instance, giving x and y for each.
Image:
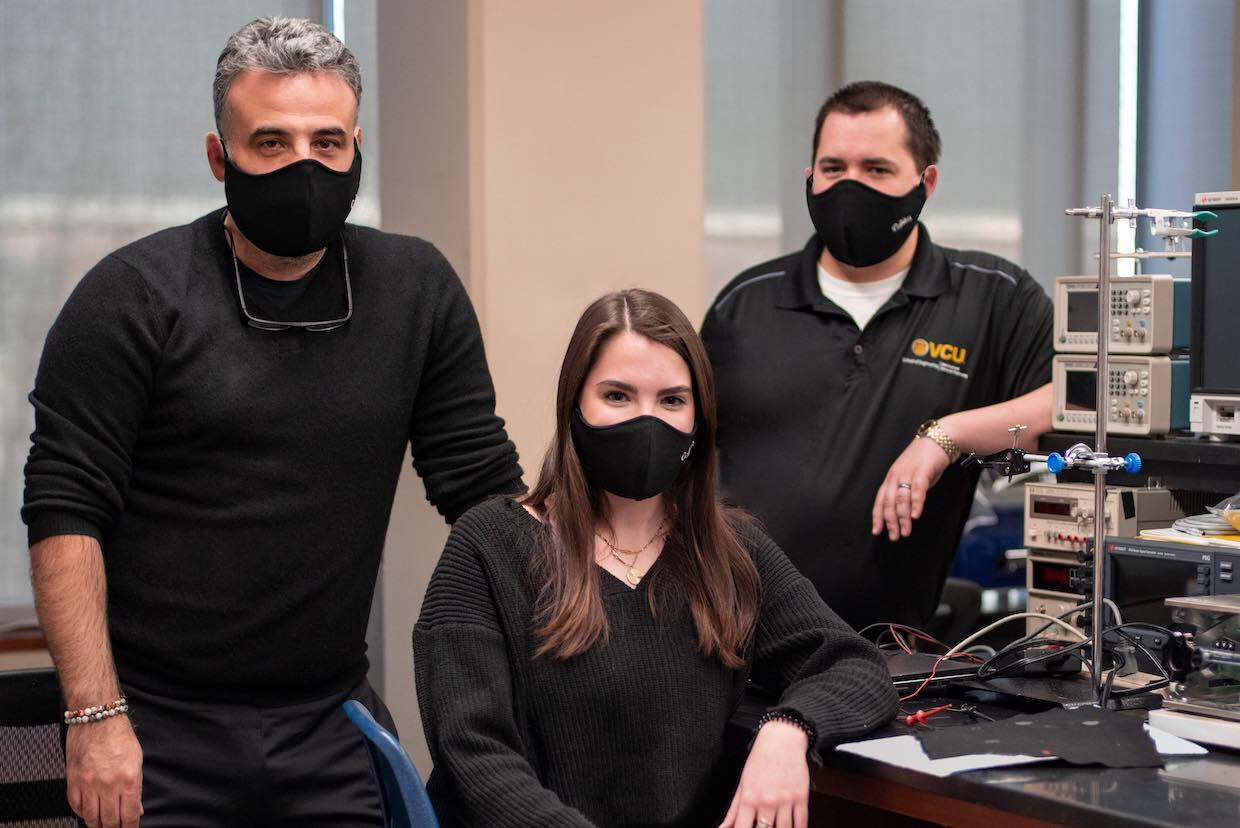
(931, 430)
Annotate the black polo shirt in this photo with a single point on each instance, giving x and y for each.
(814, 411)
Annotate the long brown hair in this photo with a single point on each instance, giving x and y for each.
(710, 565)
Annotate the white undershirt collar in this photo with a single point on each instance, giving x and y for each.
(860, 300)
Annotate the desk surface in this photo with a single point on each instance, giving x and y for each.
(19, 629)
(1196, 792)
(1188, 792)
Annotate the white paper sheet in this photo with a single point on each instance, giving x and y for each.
(906, 752)
(1169, 744)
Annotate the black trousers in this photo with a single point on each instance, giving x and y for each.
(223, 764)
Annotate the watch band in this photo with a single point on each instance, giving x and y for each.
(931, 430)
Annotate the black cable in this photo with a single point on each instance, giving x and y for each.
(861, 632)
(988, 670)
(1153, 685)
(1105, 695)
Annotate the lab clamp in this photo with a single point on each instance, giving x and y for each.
(1174, 227)
(1013, 461)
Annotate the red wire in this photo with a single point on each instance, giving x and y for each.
(915, 633)
(927, 679)
(892, 629)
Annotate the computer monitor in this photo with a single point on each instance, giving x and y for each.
(1215, 340)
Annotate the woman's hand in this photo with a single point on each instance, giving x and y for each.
(774, 787)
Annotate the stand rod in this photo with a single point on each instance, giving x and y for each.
(1102, 405)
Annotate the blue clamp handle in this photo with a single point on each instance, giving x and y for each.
(1204, 215)
(1055, 462)
(1201, 234)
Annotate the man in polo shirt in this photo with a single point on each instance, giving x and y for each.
(853, 374)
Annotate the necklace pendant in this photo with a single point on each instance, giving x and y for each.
(635, 575)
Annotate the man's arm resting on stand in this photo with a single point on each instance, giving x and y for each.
(103, 761)
(985, 430)
(979, 431)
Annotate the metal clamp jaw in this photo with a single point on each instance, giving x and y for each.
(1009, 462)
(1174, 227)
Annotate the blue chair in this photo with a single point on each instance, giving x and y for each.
(405, 803)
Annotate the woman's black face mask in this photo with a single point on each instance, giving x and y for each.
(636, 459)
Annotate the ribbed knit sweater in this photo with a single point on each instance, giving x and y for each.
(630, 733)
(240, 480)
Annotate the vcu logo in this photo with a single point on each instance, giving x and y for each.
(922, 348)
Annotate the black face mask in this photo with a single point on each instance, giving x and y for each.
(637, 459)
(295, 210)
(860, 226)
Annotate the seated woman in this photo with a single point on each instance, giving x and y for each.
(579, 652)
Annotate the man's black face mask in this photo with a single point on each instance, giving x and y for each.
(295, 210)
(860, 226)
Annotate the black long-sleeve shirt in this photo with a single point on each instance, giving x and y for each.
(239, 480)
(631, 733)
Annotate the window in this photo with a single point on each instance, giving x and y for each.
(103, 109)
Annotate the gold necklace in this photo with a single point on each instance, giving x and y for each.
(634, 575)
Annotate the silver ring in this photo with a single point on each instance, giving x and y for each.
(762, 823)
(904, 485)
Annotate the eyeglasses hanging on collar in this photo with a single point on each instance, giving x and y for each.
(274, 325)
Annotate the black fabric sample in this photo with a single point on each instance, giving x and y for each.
(1082, 736)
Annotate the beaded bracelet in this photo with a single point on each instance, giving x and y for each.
(790, 718)
(98, 712)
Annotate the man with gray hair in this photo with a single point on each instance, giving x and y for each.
(221, 415)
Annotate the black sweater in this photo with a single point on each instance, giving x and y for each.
(632, 732)
(239, 480)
